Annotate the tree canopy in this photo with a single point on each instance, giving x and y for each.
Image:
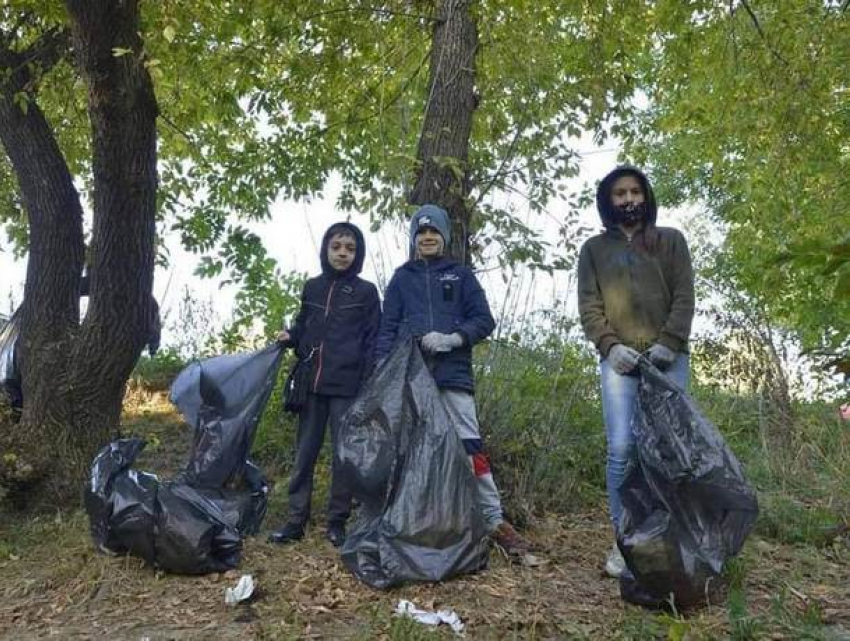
(747, 113)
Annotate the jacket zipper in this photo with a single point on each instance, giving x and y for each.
(428, 289)
(322, 344)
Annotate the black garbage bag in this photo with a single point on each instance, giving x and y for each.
(171, 525)
(193, 524)
(10, 374)
(223, 398)
(687, 507)
(193, 534)
(246, 504)
(120, 501)
(419, 518)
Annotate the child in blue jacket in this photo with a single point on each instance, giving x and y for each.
(441, 301)
(335, 331)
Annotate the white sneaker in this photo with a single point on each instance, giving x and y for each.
(615, 564)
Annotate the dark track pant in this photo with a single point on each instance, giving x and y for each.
(317, 413)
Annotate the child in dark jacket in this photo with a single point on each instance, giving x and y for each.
(441, 301)
(335, 332)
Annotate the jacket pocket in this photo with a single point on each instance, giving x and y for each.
(351, 313)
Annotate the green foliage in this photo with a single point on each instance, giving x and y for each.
(540, 417)
(743, 625)
(803, 479)
(157, 372)
(268, 301)
(274, 443)
(746, 111)
(788, 520)
(265, 100)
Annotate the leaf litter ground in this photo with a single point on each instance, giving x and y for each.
(56, 585)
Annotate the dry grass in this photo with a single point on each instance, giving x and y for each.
(56, 584)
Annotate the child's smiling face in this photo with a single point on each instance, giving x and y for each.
(342, 249)
(429, 243)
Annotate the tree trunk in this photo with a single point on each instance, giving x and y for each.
(443, 152)
(51, 308)
(74, 376)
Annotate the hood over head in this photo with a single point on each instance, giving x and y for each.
(608, 213)
(359, 256)
(430, 216)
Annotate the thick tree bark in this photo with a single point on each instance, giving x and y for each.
(123, 112)
(74, 375)
(443, 153)
(51, 307)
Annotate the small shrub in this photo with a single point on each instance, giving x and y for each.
(156, 373)
(274, 442)
(787, 520)
(540, 417)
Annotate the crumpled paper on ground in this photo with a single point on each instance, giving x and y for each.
(449, 617)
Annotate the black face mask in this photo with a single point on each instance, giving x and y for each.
(630, 214)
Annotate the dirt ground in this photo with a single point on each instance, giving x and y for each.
(55, 585)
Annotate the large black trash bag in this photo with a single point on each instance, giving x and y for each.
(223, 398)
(195, 523)
(398, 450)
(171, 525)
(10, 375)
(120, 501)
(193, 534)
(687, 507)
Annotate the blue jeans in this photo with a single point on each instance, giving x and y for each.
(618, 403)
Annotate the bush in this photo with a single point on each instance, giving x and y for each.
(156, 373)
(803, 481)
(541, 421)
(274, 442)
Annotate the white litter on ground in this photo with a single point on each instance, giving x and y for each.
(243, 590)
(449, 617)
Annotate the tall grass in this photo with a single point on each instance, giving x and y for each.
(540, 417)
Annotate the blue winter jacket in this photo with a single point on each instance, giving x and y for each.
(443, 296)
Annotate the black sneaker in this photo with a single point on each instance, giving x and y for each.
(336, 534)
(289, 533)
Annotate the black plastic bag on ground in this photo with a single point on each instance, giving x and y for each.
(195, 523)
(193, 534)
(687, 507)
(172, 526)
(120, 501)
(419, 518)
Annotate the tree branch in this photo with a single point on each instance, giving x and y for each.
(45, 52)
(761, 33)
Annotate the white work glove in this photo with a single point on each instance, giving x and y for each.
(435, 342)
(623, 358)
(661, 356)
